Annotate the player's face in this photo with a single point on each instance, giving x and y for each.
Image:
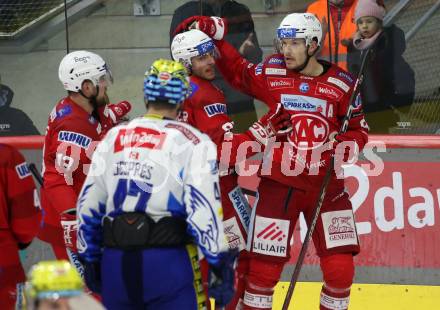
(368, 26)
(295, 52)
(203, 66)
(59, 304)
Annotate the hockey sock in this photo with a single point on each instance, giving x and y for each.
(240, 281)
(262, 278)
(338, 272)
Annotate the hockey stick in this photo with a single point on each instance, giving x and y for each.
(323, 189)
(33, 169)
(329, 31)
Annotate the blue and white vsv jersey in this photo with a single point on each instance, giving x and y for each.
(160, 167)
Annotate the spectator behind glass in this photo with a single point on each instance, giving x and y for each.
(389, 85)
(13, 122)
(341, 25)
(241, 34)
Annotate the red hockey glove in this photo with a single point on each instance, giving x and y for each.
(186, 24)
(118, 111)
(275, 122)
(346, 150)
(69, 224)
(215, 27)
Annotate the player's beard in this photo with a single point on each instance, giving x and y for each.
(101, 98)
(95, 105)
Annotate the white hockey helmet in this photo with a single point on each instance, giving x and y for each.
(78, 66)
(190, 44)
(302, 26)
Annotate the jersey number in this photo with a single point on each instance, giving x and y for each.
(134, 188)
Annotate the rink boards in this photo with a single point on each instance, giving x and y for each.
(397, 214)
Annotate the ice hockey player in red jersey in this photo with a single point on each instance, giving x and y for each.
(206, 110)
(316, 94)
(20, 219)
(75, 126)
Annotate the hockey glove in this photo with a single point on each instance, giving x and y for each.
(118, 111)
(214, 27)
(346, 150)
(221, 279)
(275, 122)
(186, 25)
(69, 224)
(92, 276)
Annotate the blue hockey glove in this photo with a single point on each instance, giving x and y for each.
(92, 276)
(221, 279)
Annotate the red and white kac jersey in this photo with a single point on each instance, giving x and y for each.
(71, 137)
(206, 110)
(20, 214)
(317, 105)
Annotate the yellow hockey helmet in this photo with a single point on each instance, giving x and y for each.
(54, 279)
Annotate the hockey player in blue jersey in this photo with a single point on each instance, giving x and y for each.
(150, 198)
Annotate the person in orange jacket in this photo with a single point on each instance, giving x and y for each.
(338, 31)
(20, 218)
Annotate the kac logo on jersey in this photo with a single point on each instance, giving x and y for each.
(22, 170)
(215, 109)
(309, 131)
(304, 87)
(74, 138)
